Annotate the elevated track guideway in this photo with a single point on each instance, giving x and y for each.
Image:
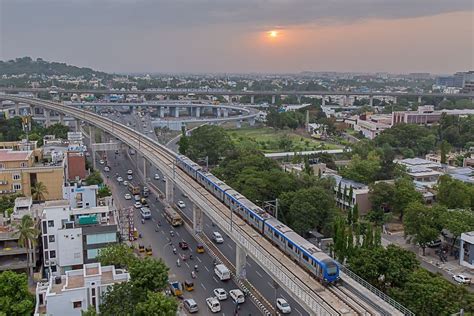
(317, 299)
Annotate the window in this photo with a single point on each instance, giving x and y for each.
(52, 254)
(101, 238)
(50, 223)
(45, 242)
(2, 166)
(17, 186)
(93, 291)
(23, 165)
(51, 238)
(92, 253)
(46, 255)
(77, 304)
(305, 257)
(45, 227)
(16, 176)
(54, 268)
(290, 245)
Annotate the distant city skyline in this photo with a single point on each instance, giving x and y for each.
(273, 36)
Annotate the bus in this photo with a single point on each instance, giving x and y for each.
(134, 189)
(172, 216)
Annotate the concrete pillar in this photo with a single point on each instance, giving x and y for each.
(197, 219)
(298, 97)
(17, 108)
(445, 98)
(61, 118)
(92, 141)
(144, 169)
(238, 124)
(198, 111)
(162, 111)
(419, 99)
(252, 99)
(240, 262)
(190, 111)
(395, 100)
(323, 100)
(219, 112)
(347, 100)
(77, 125)
(371, 100)
(169, 190)
(230, 98)
(273, 99)
(47, 116)
(226, 112)
(252, 121)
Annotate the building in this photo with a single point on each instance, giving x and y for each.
(73, 236)
(466, 253)
(81, 196)
(424, 173)
(20, 145)
(465, 174)
(12, 255)
(76, 290)
(372, 125)
(445, 81)
(360, 194)
(21, 170)
(75, 166)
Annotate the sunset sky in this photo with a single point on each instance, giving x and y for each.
(275, 36)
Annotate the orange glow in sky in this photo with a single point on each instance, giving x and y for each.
(273, 34)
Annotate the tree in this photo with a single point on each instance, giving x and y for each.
(94, 178)
(27, 237)
(382, 196)
(425, 293)
(405, 193)
(209, 141)
(38, 190)
(445, 148)
(157, 304)
(362, 170)
(120, 299)
(103, 192)
(458, 222)
(119, 255)
(149, 274)
(15, 298)
(455, 194)
(422, 224)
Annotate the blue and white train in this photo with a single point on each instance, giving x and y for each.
(307, 255)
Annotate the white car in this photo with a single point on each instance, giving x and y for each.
(157, 176)
(283, 306)
(127, 196)
(130, 177)
(107, 169)
(213, 304)
(181, 204)
(125, 182)
(129, 171)
(220, 293)
(138, 205)
(217, 237)
(461, 278)
(237, 295)
(119, 179)
(101, 162)
(164, 178)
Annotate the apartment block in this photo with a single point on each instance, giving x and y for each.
(75, 291)
(360, 194)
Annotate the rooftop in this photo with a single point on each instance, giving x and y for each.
(14, 155)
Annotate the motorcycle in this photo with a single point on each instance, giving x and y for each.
(193, 275)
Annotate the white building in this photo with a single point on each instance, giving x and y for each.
(423, 172)
(76, 290)
(80, 196)
(73, 236)
(466, 252)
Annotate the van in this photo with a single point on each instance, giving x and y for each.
(190, 305)
(145, 213)
(222, 272)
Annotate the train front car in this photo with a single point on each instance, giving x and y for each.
(331, 271)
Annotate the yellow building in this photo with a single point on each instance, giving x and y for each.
(20, 170)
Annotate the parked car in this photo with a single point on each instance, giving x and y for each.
(220, 293)
(106, 168)
(461, 278)
(434, 243)
(190, 305)
(119, 179)
(101, 162)
(128, 196)
(217, 237)
(181, 204)
(283, 306)
(138, 205)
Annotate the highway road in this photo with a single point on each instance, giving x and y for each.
(255, 274)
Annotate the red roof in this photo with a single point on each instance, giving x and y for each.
(14, 155)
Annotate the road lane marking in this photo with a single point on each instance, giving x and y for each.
(203, 286)
(259, 274)
(177, 234)
(187, 265)
(248, 263)
(206, 268)
(162, 232)
(208, 226)
(215, 279)
(298, 312)
(152, 219)
(230, 247)
(271, 285)
(198, 259)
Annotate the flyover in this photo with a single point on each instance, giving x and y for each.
(350, 298)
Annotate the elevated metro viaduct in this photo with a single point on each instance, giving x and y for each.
(215, 92)
(302, 286)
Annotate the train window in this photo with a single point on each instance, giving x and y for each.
(290, 245)
(251, 216)
(275, 234)
(305, 257)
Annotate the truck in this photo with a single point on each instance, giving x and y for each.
(134, 189)
(176, 288)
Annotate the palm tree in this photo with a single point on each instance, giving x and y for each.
(38, 191)
(28, 237)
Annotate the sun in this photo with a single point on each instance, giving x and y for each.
(273, 34)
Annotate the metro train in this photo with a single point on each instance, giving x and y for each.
(306, 254)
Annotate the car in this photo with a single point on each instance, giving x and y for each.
(220, 293)
(217, 237)
(130, 177)
(181, 204)
(184, 195)
(106, 168)
(127, 196)
(157, 176)
(116, 151)
(283, 306)
(125, 182)
(434, 243)
(138, 205)
(164, 178)
(129, 171)
(237, 296)
(190, 305)
(132, 151)
(119, 179)
(461, 278)
(213, 304)
(183, 245)
(101, 162)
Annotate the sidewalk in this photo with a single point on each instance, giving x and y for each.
(430, 261)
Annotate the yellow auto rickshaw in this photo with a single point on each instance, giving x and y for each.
(200, 248)
(141, 248)
(149, 251)
(189, 285)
